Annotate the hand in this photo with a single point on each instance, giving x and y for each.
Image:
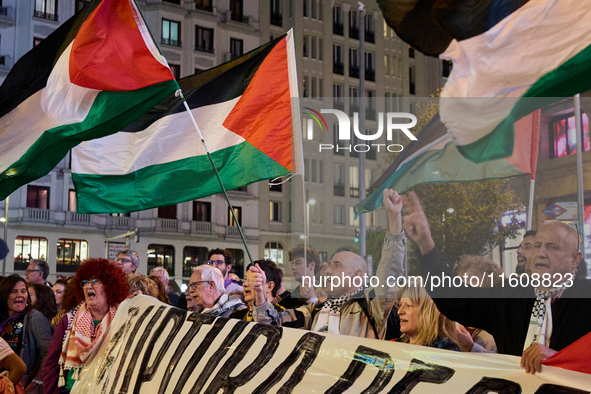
(416, 224)
(462, 338)
(257, 280)
(307, 291)
(533, 356)
(393, 204)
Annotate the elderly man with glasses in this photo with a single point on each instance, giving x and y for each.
(222, 259)
(207, 288)
(37, 272)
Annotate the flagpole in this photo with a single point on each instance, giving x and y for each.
(361, 11)
(217, 174)
(530, 208)
(580, 196)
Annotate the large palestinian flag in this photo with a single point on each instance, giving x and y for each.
(434, 158)
(244, 110)
(509, 58)
(94, 75)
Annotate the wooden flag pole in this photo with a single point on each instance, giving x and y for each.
(179, 93)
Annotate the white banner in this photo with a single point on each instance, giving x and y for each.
(155, 348)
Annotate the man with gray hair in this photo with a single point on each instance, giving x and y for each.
(162, 273)
(37, 272)
(207, 288)
(128, 260)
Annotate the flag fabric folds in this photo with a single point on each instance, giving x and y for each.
(94, 75)
(575, 357)
(244, 110)
(434, 158)
(509, 59)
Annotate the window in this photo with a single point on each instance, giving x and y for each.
(313, 9)
(313, 92)
(320, 49)
(305, 46)
(28, 248)
(204, 5)
(173, 1)
(313, 47)
(353, 63)
(353, 99)
(411, 80)
(339, 180)
(274, 187)
(161, 256)
(274, 251)
(313, 169)
(308, 126)
(168, 212)
(37, 197)
(171, 33)
(339, 214)
(37, 41)
(192, 257)
(371, 154)
(370, 104)
(70, 252)
(563, 133)
(236, 48)
(72, 200)
(337, 92)
(201, 211)
(337, 59)
(237, 10)
(370, 67)
(176, 70)
(203, 39)
(370, 35)
(353, 25)
(320, 171)
(411, 52)
(237, 213)
(446, 68)
(369, 177)
(335, 141)
(238, 266)
(337, 21)
(352, 221)
(306, 170)
(305, 92)
(354, 181)
(276, 14)
(320, 88)
(275, 211)
(46, 9)
(306, 10)
(80, 4)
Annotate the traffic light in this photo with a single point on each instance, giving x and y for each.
(356, 239)
(137, 235)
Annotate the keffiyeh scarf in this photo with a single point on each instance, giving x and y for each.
(224, 304)
(540, 321)
(329, 317)
(82, 339)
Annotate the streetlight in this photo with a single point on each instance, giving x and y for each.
(310, 203)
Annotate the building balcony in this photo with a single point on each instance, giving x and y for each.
(206, 49)
(232, 231)
(174, 43)
(200, 227)
(370, 37)
(354, 71)
(338, 68)
(45, 15)
(203, 7)
(167, 225)
(120, 222)
(337, 28)
(339, 190)
(370, 75)
(78, 219)
(239, 18)
(35, 215)
(277, 20)
(354, 32)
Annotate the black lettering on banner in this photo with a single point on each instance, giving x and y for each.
(198, 320)
(229, 384)
(212, 363)
(117, 338)
(419, 371)
(128, 346)
(556, 389)
(129, 373)
(177, 316)
(364, 356)
(495, 385)
(308, 345)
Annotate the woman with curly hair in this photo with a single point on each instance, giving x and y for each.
(26, 330)
(421, 323)
(100, 288)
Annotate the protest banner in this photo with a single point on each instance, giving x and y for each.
(155, 348)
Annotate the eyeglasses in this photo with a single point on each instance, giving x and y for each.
(215, 262)
(28, 271)
(121, 259)
(90, 283)
(193, 285)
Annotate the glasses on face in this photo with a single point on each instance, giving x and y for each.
(28, 271)
(193, 285)
(90, 283)
(123, 260)
(215, 262)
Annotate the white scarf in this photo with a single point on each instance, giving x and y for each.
(540, 321)
(223, 304)
(329, 317)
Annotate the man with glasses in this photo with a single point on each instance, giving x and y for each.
(128, 260)
(222, 259)
(37, 272)
(207, 288)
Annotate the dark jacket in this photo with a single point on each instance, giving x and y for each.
(51, 372)
(36, 339)
(506, 316)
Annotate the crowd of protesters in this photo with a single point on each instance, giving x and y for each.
(48, 333)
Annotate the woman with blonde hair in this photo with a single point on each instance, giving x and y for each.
(421, 323)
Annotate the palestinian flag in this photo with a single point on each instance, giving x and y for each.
(244, 110)
(509, 59)
(94, 75)
(575, 356)
(434, 158)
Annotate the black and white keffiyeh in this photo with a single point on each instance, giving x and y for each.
(329, 316)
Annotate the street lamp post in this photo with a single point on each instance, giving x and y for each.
(5, 221)
(309, 203)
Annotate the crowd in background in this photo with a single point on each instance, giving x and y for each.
(48, 332)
